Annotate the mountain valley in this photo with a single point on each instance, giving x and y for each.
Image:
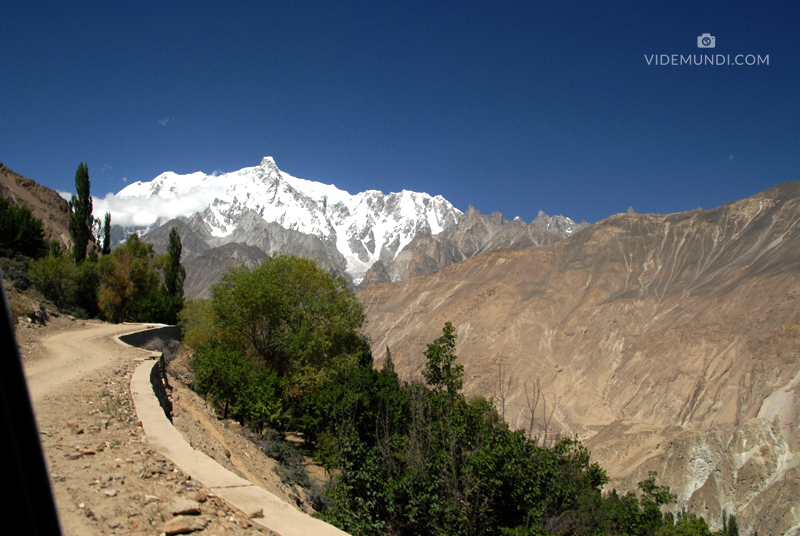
(666, 343)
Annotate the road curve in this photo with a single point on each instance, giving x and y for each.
(72, 356)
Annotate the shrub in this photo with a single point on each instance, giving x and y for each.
(20, 232)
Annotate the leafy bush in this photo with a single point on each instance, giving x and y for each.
(20, 232)
(223, 374)
(73, 289)
(56, 278)
(290, 460)
(197, 322)
(16, 271)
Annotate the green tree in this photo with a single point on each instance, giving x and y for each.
(293, 316)
(107, 234)
(81, 220)
(441, 373)
(174, 272)
(733, 526)
(20, 232)
(198, 324)
(417, 459)
(129, 283)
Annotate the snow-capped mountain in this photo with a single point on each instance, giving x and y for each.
(363, 228)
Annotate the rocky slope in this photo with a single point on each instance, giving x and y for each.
(44, 203)
(474, 234)
(669, 343)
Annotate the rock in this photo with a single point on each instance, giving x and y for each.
(200, 497)
(184, 525)
(257, 513)
(110, 492)
(184, 507)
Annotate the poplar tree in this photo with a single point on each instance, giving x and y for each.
(174, 273)
(81, 220)
(107, 234)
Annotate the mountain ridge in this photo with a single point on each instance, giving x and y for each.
(367, 237)
(363, 228)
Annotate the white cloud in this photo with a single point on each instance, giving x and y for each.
(124, 179)
(65, 195)
(143, 211)
(165, 121)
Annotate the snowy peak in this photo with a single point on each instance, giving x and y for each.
(364, 228)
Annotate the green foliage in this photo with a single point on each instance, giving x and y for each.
(20, 232)
(441, 374)
(87, 283)
(418, 460)
(290, 314)
(81, 221)
(107, 234)
(16, 270)
(246, 391)
(198, 324)
(295, 324)
(222, 373)
(265, 392)
(56, 250)
(174, 273)
(733, 526)
(687, 525)
(72, 289)
(128, 276)
(130, 286)
(421, 459)
(56, 279)
(156, 306)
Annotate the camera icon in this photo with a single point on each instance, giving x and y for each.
(706, 41)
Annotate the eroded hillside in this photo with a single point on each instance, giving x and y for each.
(670, 343)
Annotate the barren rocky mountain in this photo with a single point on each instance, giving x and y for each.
(44, 203)
(474, 234)
(666, 342)
(206, 257)
(204, 270)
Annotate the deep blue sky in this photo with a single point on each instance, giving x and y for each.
(511, 106)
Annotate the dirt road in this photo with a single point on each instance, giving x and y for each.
(105, 478)
(73, 355)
